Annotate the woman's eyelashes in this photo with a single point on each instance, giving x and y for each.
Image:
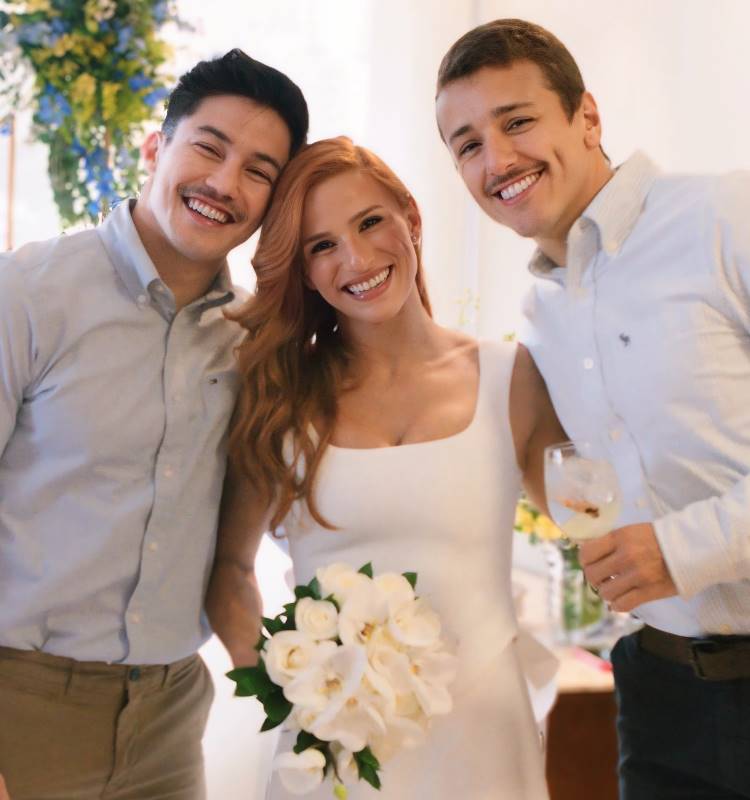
(327, 244)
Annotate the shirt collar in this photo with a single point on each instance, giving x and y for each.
(135, 267)
(614, 210)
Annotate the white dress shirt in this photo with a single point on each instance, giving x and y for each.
(113, 417)
(644, 342)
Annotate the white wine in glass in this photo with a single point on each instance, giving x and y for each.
(583, 493)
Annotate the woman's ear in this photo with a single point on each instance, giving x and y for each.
(414, 221)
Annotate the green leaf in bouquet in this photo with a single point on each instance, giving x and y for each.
(367, 767)
(276, 706)
(412, 578)
(270, 724)
(252, 682)
(261, 643)
(311, 590)
(273, 626)
(366, 756)
(366, 569)
(306, 740)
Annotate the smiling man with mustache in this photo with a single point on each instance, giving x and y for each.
(116, 386)
(640, 324)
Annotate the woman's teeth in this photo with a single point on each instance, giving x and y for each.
(207, 211)
(511, 191)
(360, 288)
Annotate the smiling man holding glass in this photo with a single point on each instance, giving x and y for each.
(640, 324)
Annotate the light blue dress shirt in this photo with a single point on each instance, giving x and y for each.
(113, 418)
(644, 342)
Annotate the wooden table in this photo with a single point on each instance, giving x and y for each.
(581, 736)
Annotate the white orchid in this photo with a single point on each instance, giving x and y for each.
(415, 624)
(354, 726)
(432, 671)
(362, 613)
(401, 733)
(340, 580)
(346, 766)
(301, 772)
(326, 685)
(317, 618)
(288, 653)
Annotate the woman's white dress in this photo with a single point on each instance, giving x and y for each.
(445, 509)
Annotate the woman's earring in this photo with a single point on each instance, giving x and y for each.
(414, 238)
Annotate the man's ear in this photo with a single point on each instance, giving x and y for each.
(592, 124)
(150, 149)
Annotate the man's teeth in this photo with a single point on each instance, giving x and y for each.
(516, 188)
(359, 288)
(207, 211)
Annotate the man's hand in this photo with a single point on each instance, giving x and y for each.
(626, 567)
(3, 790)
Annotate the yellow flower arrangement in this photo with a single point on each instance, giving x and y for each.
(538, 526)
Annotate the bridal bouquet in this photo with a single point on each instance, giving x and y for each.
(357, 668)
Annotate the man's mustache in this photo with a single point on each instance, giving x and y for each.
(212, 194)
(498, 180)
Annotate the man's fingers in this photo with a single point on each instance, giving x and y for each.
(594, 550)
(599, 571)
(612, 588)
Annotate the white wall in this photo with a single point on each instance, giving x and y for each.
(669, 76)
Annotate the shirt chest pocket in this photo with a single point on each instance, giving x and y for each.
(218, 394)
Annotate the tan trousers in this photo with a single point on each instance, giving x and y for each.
(73, 730)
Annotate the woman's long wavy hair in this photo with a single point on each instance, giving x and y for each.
(293, 361)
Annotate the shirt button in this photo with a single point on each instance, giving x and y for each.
(588, 363)
(615, 434)
(153, 546)
(135, 618)
(168, 472)
(142, 301)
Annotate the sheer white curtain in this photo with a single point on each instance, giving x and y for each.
(669, 77)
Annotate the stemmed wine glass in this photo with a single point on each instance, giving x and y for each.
(583, 493)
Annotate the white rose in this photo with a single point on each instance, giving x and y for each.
(396, 588)
(415, 624)
(301, 772)
(316, 618)
(288, 653)
(340, 580)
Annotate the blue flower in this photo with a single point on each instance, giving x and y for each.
(53, 108)
(34, 33)
(93, 208)
(152, 98)
(124, 35)
(59, 26)
(139, 81)
(160, 10)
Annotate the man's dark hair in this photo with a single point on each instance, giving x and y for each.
(235, 73)
(501, 43)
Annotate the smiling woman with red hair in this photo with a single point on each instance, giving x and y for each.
(371, 433)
